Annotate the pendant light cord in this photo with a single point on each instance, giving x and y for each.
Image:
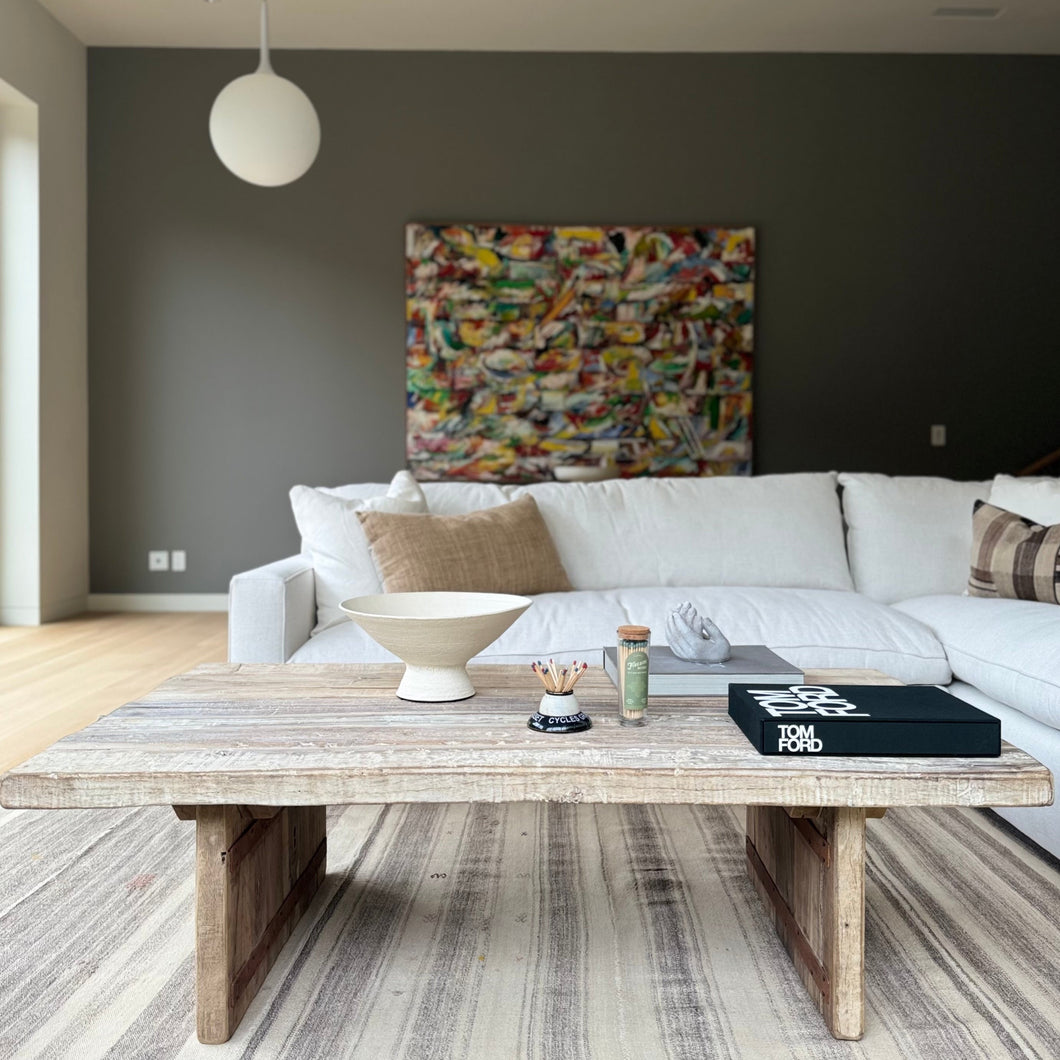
(265, 65)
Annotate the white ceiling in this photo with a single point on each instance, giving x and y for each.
(570, 25)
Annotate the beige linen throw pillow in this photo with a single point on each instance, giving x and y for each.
(506, 549)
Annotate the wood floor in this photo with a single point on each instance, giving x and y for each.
(57, 678)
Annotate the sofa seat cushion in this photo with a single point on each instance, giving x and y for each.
(342, 643)
(1010, 649)
(808, 627)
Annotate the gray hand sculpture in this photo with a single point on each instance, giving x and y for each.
(695, 639)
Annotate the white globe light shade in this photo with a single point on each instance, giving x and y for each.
(265, 129)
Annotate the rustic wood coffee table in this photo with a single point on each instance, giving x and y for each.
(253, 754)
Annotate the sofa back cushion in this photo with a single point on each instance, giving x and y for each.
(777, 530)
(908, 536)
(1037, 499)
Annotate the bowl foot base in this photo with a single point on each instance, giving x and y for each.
(435, 684)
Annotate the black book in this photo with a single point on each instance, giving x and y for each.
(908, 721)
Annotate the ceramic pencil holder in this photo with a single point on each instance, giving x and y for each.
(559, 712)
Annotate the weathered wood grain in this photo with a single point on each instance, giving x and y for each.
(254, 879)
(816, 811)
(267, 735)
(844, 920)
(810, 874)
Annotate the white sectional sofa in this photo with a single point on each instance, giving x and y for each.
(849, 570)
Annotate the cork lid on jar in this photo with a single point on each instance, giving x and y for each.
(634, 632)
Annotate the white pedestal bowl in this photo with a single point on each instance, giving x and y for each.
(434, 635)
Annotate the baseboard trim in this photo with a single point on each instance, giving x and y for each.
(20, 616)
(158, 601)
(52, 611)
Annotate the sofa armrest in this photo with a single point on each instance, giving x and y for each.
(271, 611)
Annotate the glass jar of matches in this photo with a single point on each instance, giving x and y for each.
(558, 710)
(633, 668)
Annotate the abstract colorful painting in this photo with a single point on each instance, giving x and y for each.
(530, 346)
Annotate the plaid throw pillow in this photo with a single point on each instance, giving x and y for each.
(1013, 557)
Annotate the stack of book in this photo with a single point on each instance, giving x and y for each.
(670, 675)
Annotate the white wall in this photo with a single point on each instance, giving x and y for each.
(46, 63)
(19, 360)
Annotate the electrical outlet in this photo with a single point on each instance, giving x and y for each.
(178, 560)
(938, 434)
(158, 559)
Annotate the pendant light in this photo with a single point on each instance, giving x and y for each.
(263, 127)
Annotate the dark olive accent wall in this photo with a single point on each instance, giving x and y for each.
(245, 339)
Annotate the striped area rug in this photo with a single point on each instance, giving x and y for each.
(551, 932)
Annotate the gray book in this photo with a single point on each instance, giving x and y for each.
(669, 675)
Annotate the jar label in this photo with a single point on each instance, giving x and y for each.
(635, 686)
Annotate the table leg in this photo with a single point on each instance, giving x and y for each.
(810, 874)
(257, 869)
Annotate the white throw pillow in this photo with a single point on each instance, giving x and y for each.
(443, 498)
(332, 537)
(461, 498)
(1037, 499)
(909, 536)
(778, 530)
(356, 491)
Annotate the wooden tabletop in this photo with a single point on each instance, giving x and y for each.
(302, 735)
